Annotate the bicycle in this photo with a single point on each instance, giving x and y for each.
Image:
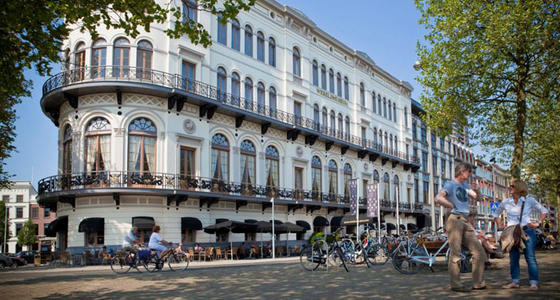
(412, 254)
(320, 252)
(176, 259)
(124, 260)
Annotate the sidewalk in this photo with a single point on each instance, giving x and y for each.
(192, 265)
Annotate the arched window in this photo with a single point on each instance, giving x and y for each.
(394, 112)
(338, 85)
(396, 193)
(333, 123)
(391, 143)
(296, 62)
(316, 176)
(80, 61)
(316, 117)
(386, 141)
(144, 60)
(272, 101)
(248, 41)
(67, 151)
(347, 177)
(381, 139)
(379, 110)
(222, 30)
(347, 121)
(384, 107)
(248, 93)
(333, 178)
(405, 117)
(271, 52)
(325, 119)
(235, 34)
(235, 88)
(375, 136)
(189, 10)
(220, 158)
(340, 126)
(98, 146)
(248, 162)
(260, 97)
(315, 73)
(98, 58)
(386, 187)
(331, 81)
(396, 145)
(346, 89)
(222, 84)
(390, 115)
(373, 106)
(272, 167)
(121, 52)
(260, 46)
(142, 135)
(376, 177)
(362, 95)
(323, 77)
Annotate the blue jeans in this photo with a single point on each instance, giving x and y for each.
(530, 257)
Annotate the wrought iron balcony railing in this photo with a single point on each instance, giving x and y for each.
(166, 181)
(176, 81)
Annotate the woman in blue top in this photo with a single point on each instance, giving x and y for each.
(512, 206)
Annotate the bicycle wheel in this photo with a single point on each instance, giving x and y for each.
(347, 246)
(404, 264)
(376, 254)
(153, 264)
(178, 262)
(311, 257)
(121, 263)
(343, 257)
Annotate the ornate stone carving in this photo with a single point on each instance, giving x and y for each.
(119, 131)
(189, 126)
(366, 166)
(299, 151)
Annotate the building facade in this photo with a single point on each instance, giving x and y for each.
(18, 200)
(41, 217)
(438, 156)
(154, 130)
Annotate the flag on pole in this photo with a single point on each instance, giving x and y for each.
(372, 200)
(353, 185)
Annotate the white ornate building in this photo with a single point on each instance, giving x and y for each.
(158, 130)
(17, 200)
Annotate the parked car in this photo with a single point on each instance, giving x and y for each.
(29, 256)
(6, 261)
(18, 260)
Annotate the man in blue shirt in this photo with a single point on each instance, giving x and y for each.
(455, 196)
(131, 239)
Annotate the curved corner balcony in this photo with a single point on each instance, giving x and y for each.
(178, 188)
(67, 86)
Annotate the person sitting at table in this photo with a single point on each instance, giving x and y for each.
(254, 250)
(242, 250)
(267, 250)
(197, 248)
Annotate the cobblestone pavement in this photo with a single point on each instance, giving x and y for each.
(282, 279)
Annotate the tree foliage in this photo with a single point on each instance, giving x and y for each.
(32, 32)
(27, 235)
(486, 65)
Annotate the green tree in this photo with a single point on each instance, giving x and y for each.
(32, 32)
(27, 235)
(2, 223)
(486, 64)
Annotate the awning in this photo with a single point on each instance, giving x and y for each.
(189, 223)
(90, 225)
(250, 221)
(336, 221)
(59, 224)
(277, 222)
(218, 221)
(303, 224)
(391, 226)
(143, 223)
(401, 226)
(411, 227)
(320, 221)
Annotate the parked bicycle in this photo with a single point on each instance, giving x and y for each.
(324, 250)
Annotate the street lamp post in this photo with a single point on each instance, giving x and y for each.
(273, 236)
(493, 161)
(5, 229)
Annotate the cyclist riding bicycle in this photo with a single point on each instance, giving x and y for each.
(131, 240)
(157, 242)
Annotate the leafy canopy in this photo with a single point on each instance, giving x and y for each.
(486, 66)
(27, 235)
(32, 32)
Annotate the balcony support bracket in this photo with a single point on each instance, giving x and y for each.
(328, 145)
(343, 150)
(264, 128)
(239, 204)
(117, 199)
(239, 121)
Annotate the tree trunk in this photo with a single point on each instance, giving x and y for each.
(519, 129)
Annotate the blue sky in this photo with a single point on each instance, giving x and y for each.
(386, 30)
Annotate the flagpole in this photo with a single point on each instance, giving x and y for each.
(398, 212)
(273, 237)
(357, 214)
(378, 216)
